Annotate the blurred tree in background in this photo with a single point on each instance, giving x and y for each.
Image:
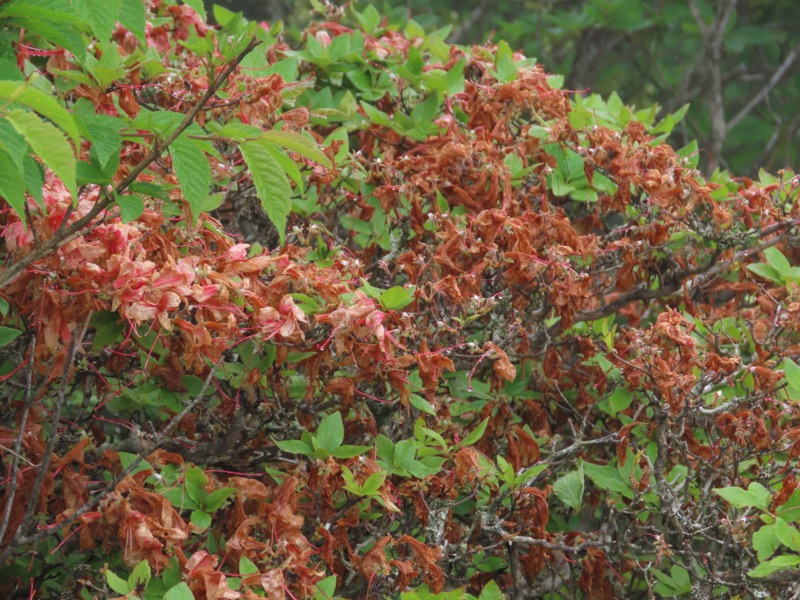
(736, 62)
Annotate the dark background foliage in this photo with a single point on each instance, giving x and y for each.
(735, 62)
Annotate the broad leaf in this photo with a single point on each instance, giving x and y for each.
(271, 184)
(47, 142)
(193, 172)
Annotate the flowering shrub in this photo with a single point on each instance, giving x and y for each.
(376, 316)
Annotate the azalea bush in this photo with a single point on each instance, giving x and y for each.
(376, 316)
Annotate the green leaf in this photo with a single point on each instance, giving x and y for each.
(569, 489)
(179, 592)
(326, 588)
(777, 261)
(193, 172)
(140, 576)
(385, 448)
(132, 17)
(790, 510)
(200, 519)
(330, 432)
(606, 477)
(13, 143)
(397, 297)
(620, 400)
(195, 481)
(214, 500)
(784, 561)
(271, 184)
(130, 207)
(3, 307)
(766, 271)
(246, 566)
(404, 453)
(765, 542)
(101, 15)
(294, 447)
(425, 112)
(179, 498)
(287, 164)
(102, 131)
(12, 184)
(47, 142)
(421, 404)
(347, 451)
(505, 70)
(788, 535)
(476, 433)
(116, 583)
(8, 335)
(491, 591)
(197, 5)
(43, 104)
(296, 142)
(756, 495)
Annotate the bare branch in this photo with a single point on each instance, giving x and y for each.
(764, 92)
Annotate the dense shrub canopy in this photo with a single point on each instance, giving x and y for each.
(376, 316)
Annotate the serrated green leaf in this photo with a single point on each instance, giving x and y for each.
(197, 5)
(296, 142)
(287, 164)
(330, 432)
(103, 132)
(271, 184)
(13, 143)
(132, 18)
(48, 143)
(239, 132)
(193, 172)
(43, 104)
(130, 207)
(12, 185)
(57, 10)
(101, 15)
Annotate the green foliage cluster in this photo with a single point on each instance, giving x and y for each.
(653, 54)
